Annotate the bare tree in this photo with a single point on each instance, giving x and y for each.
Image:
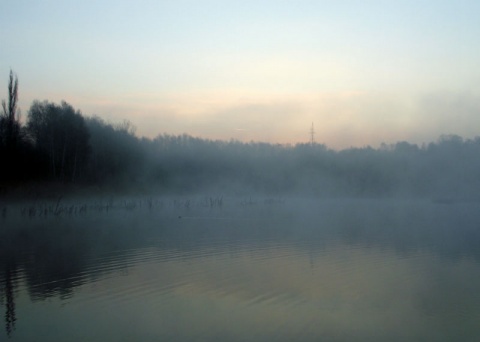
(9, 120)
(60, 133)
(10, 131)
(12, 97)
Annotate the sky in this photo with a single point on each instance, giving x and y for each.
(363, 72)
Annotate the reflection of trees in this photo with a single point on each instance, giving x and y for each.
(8, 277)
(10, 317)
(56, 256)
(52, 256)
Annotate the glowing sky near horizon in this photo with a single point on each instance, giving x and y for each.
(364, 72)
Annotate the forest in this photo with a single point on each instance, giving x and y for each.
(57, 147)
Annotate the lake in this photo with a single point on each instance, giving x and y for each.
(240, 269)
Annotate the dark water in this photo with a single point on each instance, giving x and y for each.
(241, 270)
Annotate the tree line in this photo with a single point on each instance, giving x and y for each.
(59, 144)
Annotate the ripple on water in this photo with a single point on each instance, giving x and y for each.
(278, 280)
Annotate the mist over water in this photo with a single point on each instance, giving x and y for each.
(254, 208)
(240, 269)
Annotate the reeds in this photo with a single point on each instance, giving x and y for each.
(62, 207)
(50, 210)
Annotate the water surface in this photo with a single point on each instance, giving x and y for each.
(241, 270)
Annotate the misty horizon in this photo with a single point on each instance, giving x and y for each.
(57, 143)
(317, 139)
(452, 114)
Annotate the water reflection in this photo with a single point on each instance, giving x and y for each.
(338, 270)
(9, 281)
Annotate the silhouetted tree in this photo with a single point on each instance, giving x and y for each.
(10, 130)
(60, 134)
(116, 153)
(10, 126)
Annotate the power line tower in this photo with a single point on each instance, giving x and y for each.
(312, 135)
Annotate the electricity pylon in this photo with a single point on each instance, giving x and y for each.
(312, 135)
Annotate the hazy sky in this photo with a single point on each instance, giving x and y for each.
(364, 72)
